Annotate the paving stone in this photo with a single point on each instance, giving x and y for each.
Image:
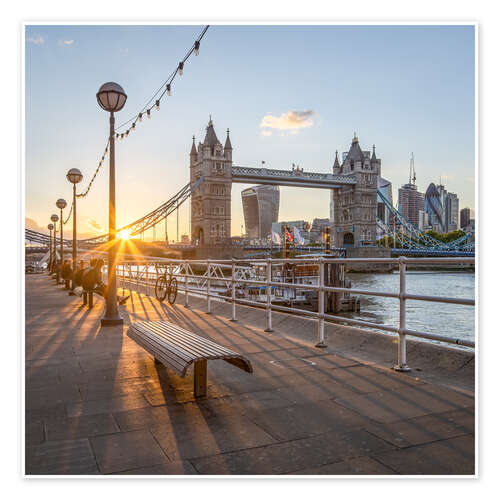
(159, 397)
(56, 411)
(61, 457)
(390, 406)
(453, 456)
(292, 456)
(302, 393)
(106, 389)
(253, 401)
(179, 468)
(50, 396)
(34, 433)
(80, 427)
(426, 429)
(298, 421)
(117, 404)
(214, 435)
(126, 451)
(353, 466)
(188, 414)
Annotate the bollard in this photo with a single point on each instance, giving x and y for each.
(209, 270)
(321, 306)
(269, 311)
(233, 292)
(186, 290)
(402, 366)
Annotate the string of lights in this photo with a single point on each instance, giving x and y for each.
(103, 156)
(165, 88)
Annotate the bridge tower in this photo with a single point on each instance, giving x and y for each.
(211, 202)
(355, 207)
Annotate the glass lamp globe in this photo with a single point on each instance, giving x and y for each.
(60, 203)
(74, 176)
(54, 217)
(111, 97)
(50, 227)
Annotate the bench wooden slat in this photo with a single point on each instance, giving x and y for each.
(193, 344)
(178, 348)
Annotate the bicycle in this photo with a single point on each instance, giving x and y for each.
(166, 286)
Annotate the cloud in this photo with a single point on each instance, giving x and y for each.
(33, 225)
(37, 40)
(68, 42)
(94, 225)
(293, 120)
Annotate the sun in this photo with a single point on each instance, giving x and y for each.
(124, 234)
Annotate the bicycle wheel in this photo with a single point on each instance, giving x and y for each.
(172, 291)
(161, 288)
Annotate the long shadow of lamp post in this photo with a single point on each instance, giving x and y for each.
(61, 204)
(111, 97)
(54, 218)
(74, 176)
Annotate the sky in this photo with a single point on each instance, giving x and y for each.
(288, 94)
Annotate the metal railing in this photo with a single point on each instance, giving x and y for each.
(198, 278)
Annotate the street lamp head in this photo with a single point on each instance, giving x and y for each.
(50, 227)
(111, 97)
(74, 176)
(60, 203)
(54, 217)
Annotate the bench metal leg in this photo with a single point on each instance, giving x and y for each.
(200, 378)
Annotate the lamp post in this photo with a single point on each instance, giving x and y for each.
(111, 98)
(74, 176)
(50, 227)
(54, 218)
(61, 204)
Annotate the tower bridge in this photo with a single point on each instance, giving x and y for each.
(354, 192)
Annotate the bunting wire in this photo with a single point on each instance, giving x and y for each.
(69, 215)
(165, 87)
(82, 195)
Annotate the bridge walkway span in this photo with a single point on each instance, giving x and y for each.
(97, 404)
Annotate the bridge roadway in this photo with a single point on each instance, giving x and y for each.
(97, 404)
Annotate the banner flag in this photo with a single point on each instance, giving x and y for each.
(288, 236)
(299, 240)
(276, 238)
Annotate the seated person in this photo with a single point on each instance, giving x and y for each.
(66, 271)
(92, 280)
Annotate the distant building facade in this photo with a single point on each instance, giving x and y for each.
(434, 208)
(260, 210)
(464, 218)
(410, 203)
(451, 212)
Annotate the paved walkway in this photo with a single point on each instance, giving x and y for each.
(97, 404)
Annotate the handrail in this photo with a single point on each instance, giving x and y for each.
(225, 272)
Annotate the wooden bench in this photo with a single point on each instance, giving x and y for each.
(177, 348)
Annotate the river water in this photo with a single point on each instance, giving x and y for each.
(443, 319)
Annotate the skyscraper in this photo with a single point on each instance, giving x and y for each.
(434, 208)
(410, 203)
(451, 212)
(260, 209)
(464, 218)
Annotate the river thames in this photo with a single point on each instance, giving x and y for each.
(442, 319)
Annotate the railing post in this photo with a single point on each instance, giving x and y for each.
(269, 311)
(233, 291)
(186, 291)
(321, 305)
(147, 278)
(209, 270)
(402, 366)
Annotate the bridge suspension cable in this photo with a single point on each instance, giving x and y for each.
(413, 237)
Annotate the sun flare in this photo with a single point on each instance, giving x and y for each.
(124, 234)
